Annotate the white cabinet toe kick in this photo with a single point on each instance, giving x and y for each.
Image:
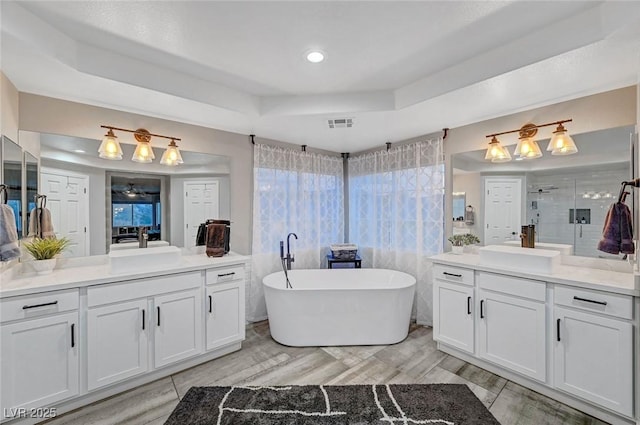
(64, 349)
(572, 344)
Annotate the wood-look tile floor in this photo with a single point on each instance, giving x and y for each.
(263, 361)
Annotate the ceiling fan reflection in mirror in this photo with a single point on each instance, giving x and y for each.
(133, 192)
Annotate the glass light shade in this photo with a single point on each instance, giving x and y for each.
(528, 148)
(110, 148)
(561, 143)
(172, 155)
(496, 152)
(143, 153)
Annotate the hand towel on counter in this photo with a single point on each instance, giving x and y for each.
(40, 224)
(215, 240)
(202, 232)
(9, 247)
(617, 234)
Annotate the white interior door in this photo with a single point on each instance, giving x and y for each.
(502, 209)
(201, 202)
(68, 200)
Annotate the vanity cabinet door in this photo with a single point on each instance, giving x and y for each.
(117, 342)
(593, 357)
(511, 332)
(178, 326)
(224, 312)
(453, 315)
(39, 361)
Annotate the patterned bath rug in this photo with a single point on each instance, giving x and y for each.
(438, 404)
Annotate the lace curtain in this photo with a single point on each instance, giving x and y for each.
(296, 192)
(396, 212)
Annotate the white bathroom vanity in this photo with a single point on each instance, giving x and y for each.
(87, 332)
(570, 333)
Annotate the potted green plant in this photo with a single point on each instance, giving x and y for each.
(459, 241)
(44, 252)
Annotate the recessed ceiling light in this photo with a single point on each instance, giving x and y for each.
(79, 151)
(315, 56)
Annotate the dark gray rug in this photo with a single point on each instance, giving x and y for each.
(444, 404)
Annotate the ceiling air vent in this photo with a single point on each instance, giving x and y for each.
(341, 123)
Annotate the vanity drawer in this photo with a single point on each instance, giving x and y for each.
(616, 305)
(525, 288)
(45, 303)
(453, 274)
(116, 292)
(225, 274)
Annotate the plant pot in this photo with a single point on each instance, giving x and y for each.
(457, 249)
(44, 266)
(470, 249)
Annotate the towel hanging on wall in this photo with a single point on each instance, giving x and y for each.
(469, 215)
(9, 248)
(617, 234)
(40, 223)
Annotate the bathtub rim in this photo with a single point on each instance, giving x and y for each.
(391, 288)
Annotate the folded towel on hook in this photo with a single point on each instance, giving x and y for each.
(617, 234)
(9, 248)
(215, 240)
(40, 224)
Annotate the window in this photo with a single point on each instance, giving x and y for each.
(396, 199)
(311, 203)
(131, 214)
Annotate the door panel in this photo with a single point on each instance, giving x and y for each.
(594, 359)
(453, 315)
(178, 326)
(68, 201)
(512, 333)
(503, 209)
(39, 361)
(223, 311)
(117, 342)
(201, 202)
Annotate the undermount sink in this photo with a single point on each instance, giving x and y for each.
(144, 259)
(518, 258)
(134, 245)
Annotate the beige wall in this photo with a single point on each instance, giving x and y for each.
(48, 115)
(9, 108)
(611, 109)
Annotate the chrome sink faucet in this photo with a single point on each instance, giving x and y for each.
(143, 236)
(289, 258)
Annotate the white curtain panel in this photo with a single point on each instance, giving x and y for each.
(297, 192)
(396, 212)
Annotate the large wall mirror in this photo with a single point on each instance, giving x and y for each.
(99, 203)
(565, 197)
(12, 168)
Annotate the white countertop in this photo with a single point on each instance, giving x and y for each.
(573, 275)
(94, 270)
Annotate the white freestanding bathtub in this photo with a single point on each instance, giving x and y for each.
(328, 307)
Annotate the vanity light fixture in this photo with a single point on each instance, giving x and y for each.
(496, 152)
(561, 143)
(172, 155)
(527, 148)
(143, 153)
(110, 148)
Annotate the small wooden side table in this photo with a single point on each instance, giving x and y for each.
(357, 262)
